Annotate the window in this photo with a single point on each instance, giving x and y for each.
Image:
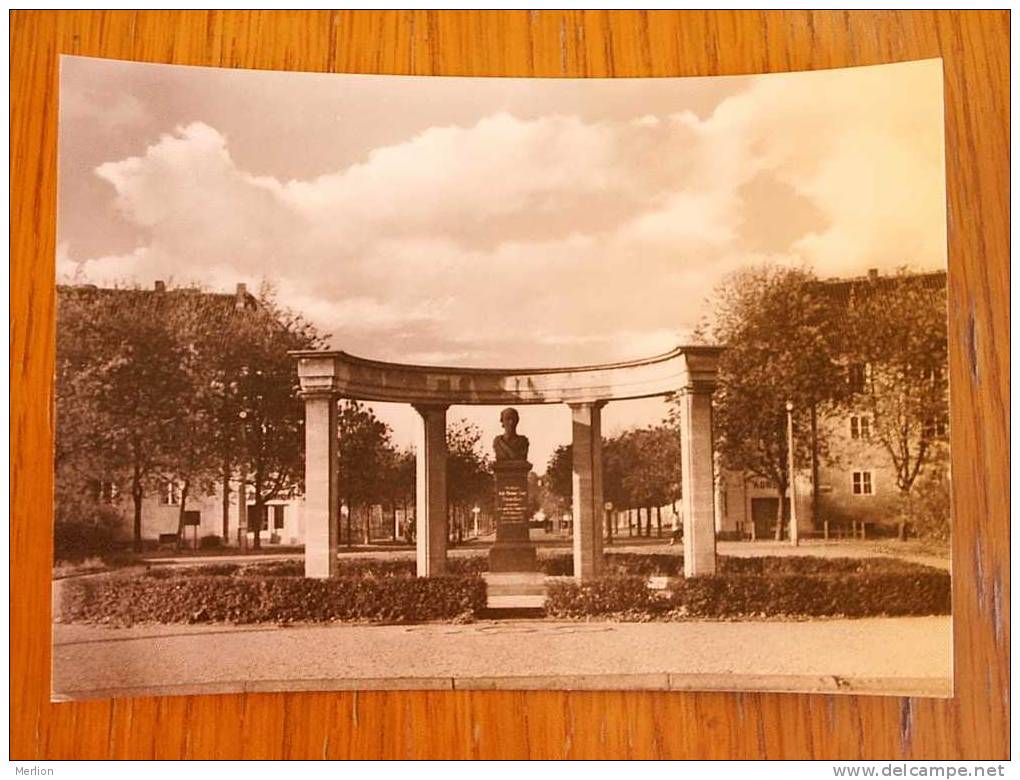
(935, 427)
(862, 483)
(278, 517)
(860, 427)
(858, 375)
(103, 491)
(169, 493)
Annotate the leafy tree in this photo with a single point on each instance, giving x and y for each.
(200, 433)
(267, 441)
(399, 484)
(559, 473)
(649, 470)
(365, 454)
(898, 333)
(618, 457)
(122, 384)
(653, 476)
(619, 462)
(929, 511)
(640, 468)
(782, 344)
(469, 472)
(179, 385)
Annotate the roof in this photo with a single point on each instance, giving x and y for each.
(241, 299)
(846, 290)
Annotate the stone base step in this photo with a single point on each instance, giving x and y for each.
(515, 590)
(515, 602)
(509, 590)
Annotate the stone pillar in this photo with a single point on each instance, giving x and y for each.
(697, 465)
(430, 499)
(322, 488)
(587, 489)
(513, 549)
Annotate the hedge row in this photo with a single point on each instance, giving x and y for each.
(76, 542)
(605, 596)
(837, 594)
(362, 568)
(123, 600)
(773, 565)
(165, 597)
(559, 564)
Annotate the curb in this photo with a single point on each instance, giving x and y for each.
(913, 687)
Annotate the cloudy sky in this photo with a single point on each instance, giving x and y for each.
(495, 222)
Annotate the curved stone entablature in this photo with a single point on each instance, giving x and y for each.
(690, 368)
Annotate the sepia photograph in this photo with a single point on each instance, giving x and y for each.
(460, 383)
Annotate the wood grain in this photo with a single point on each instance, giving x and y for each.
(975, 48)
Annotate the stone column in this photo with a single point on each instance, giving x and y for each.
(430, 500)
(587, 489)
(697, 466)
(322, 488)
(513, 550)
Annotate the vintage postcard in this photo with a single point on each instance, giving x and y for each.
(457, 383)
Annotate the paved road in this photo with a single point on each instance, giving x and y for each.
(885, 655)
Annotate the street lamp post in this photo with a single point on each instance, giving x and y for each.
(791, 480)
(242, 488)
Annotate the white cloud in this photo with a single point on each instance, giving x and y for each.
(553, 239)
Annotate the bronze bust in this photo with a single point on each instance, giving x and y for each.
(510, 445)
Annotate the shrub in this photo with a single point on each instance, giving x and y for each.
(76, 541)
(556, 565)
(375, 567)
(621, 564)
(672, 565)
(929, 512)
(913, 591)
(214, 569)
(124, 600)
(645, 564)
(355, 568)
(603, 596)
(83, 528)
(468, 565)
(771, 565)
(559, 564)
(210, 542)
(369, 567)
(850, 595)
(287, 568)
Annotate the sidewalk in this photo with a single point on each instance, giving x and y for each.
(899, 656)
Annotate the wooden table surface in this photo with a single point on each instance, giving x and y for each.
(975, 724)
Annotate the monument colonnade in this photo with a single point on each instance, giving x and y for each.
(325, 377)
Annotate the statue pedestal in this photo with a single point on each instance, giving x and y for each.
(513, 550)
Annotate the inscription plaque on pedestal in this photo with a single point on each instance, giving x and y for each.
(513, 549)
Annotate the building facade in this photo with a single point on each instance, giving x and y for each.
(207, 515)
(853, 489)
